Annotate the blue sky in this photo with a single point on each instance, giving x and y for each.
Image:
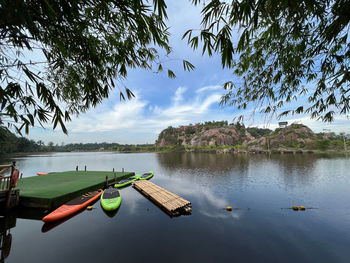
(161, 102)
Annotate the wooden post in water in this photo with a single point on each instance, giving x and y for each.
(123, 170)
(113, 170)
(106, 181)
(85, 168)
(76, 168)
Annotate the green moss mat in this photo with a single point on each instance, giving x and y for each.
(52, 190)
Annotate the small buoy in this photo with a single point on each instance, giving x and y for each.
(295, 208)
(302, 208)
(229, 208)
(89, 207)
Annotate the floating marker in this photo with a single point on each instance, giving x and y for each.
(89, 207)
(302, 208)
(295, 208)
(229, 208)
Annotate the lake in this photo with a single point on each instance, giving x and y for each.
(261, 227)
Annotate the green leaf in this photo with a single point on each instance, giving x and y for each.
(171, 74)
(187, 65)
(121, 96)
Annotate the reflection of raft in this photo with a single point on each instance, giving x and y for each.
(146, 176)
(72, 206)
(110, 199)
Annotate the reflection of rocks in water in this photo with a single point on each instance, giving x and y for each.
(292, 168)
(6, 223)
(207, 161)
(296, 168)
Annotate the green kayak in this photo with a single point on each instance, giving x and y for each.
(127, 181)
(110, 199)
(146, 176)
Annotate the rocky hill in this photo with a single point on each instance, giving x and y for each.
(209, 133)
(220, 134)
(295, 136)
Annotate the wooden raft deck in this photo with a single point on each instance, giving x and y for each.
(171, 203)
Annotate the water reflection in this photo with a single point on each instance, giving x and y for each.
(6, 223)
(51, 225)
(112, 213)
(258, 230)
(207, 161)
(293, 168)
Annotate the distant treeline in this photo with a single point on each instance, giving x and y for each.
(10, 143)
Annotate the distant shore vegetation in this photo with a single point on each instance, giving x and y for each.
(215, 136)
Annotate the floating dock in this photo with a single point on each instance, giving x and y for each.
(171, 203)
(52, 190)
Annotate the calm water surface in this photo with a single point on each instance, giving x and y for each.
(259, 229)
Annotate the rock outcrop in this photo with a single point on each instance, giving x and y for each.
(295, 136)
(216, 133)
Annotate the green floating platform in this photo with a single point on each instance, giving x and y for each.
(52, 190)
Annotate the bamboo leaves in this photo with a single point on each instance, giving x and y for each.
(89, 46)
(285, 49)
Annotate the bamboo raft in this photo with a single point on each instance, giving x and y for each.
(171, 203)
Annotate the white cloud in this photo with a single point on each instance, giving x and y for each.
(209, 88)
(123, 115)
(195, 109)
(178, 95)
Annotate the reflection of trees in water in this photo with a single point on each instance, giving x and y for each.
(6, 223)
(296, 168)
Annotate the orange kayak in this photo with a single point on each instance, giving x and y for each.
(72, 206)
(41, 173)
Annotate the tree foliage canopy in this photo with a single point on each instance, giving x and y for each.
(59, 58)
(281, 50)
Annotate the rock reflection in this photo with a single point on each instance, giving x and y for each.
(297, 169)
(207, 161)
(292, 168)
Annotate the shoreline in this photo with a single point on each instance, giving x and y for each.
(195, 150)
